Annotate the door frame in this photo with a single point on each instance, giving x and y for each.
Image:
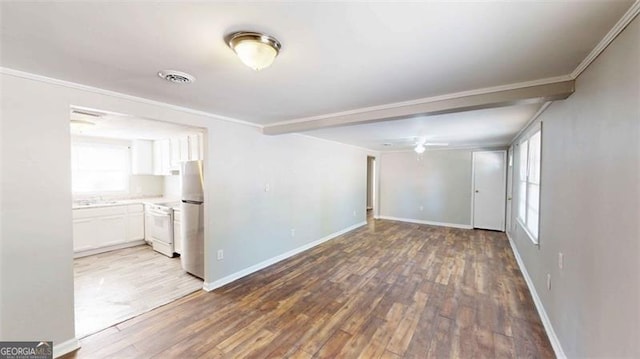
(375, 184)
(509, 192)
(473, 185)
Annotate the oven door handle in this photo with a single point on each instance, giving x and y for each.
(158, 213)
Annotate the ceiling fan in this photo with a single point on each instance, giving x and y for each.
(419, 144)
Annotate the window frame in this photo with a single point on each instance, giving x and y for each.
(522, 217)
(97, 143)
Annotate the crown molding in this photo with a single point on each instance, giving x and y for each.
(296, 125)
(522, 93)
(96, 90)
(364, 149)
(450, 96)
(487, 147)
(530, 122)
(624, 21)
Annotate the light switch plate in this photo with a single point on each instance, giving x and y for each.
(548, 281)
(560, 260)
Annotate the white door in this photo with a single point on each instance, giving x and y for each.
(509, 187)
(489, 189)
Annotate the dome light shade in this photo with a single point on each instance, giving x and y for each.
(254, 49)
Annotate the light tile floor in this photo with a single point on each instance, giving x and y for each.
(114, 286)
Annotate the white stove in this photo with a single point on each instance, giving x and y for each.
(159, 227)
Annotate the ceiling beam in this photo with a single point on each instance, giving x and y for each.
(430, 106)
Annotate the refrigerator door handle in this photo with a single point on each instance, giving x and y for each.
(191, 202)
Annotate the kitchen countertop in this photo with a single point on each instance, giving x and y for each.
(124, 202)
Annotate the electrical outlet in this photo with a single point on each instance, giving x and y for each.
(267, 187)
(220, 254)
(548, 281)
(560, 260)
(422, 208)
(354, 213)
(293, 232)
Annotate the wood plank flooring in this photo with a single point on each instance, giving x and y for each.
(114, 286)
(386, 290)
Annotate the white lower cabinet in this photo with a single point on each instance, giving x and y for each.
(111, 230)
(135, 222)
(84, 235)
(177, 234)
(95, 228)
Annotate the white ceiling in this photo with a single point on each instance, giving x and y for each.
(126, 127)
(471, 129)
(335, 57)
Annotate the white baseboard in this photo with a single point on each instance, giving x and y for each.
(90, 252)
(431, 223)
(553, 338)
(63, 348)
(209, 286)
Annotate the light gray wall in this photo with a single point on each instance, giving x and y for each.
(440, 182)
(315, 187)
(590, 208)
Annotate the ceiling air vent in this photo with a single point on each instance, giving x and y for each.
(176, 77)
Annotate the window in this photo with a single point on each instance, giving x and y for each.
(529, 188)
(99, 168)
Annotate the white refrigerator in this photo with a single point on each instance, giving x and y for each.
(192, 210)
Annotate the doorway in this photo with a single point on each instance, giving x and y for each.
(509, 188)
(128, 221)
(489, 188)
(371, 185)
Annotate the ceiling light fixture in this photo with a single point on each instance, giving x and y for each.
(419, 148)
(254, 49)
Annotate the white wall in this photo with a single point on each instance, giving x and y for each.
(440, 182)
(315, 186)
(172, 186)
(590, 208)
(146, 186)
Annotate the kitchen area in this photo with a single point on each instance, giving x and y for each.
(138, 215)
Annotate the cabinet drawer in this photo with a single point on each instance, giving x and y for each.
(135, 208)
(99, 212)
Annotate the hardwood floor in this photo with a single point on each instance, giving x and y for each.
(386, 290)
(114, 286)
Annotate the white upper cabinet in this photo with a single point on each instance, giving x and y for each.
(175, 152)
(162, 157)
(195, 146)
(184, 148)
(142, 160)
(169, 153)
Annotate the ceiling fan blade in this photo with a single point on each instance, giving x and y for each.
(436, 144)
